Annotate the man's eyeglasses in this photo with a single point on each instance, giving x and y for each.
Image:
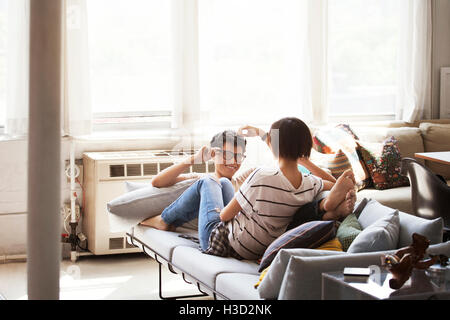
(228, 155)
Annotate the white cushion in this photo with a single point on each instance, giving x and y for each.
(133, 207)
(396, 198)
(409, 224)
(164, 242)
(379, 236)
(270, 285)
(206, 267)
(237, 286)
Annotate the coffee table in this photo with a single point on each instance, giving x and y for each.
(422, 285)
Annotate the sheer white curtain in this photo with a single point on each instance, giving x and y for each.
(414, 89)
(77, 103)
(77, 96)
(260, 60)
(17, 64)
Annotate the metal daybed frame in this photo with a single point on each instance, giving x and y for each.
(172, 268)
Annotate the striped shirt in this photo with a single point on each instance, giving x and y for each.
(268, 201)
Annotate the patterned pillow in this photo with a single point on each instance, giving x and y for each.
(338, 140)
(383, 162)
(336, 163)
(308, 235)
(348, 230)
(261, 277)
(347, 129)
(330, 140)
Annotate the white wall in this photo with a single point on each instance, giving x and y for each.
(13, 182)
(13, 196)
(440, 50)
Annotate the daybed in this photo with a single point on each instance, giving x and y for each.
(293, 274)
(296, 273)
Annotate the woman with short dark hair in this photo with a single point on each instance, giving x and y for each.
(266, 203)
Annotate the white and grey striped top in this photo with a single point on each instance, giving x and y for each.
(268, 201)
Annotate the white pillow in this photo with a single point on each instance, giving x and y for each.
(380, 236)
(409, 224)
(132, 185)
(131, 208)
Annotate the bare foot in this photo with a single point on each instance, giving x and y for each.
(158, 223)
(343, 209)
(343, 185)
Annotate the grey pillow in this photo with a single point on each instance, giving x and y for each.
(270, 285)
(132, 185)
(133, 207)
(409, 224)
(379, 236)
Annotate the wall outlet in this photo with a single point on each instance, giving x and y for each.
(67, 211)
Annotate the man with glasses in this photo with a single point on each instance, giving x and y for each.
(210, 193)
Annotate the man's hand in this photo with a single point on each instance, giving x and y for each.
(203, 155)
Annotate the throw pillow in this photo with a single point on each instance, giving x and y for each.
(331, 245)
(308, 235)
(261, 277)
(348, 231)
(409, 224)
(330, 140)
(132, 185)
(336, 163)
(382, 235)
(347, 129)
(383, 162)
(337, 140)
(131, 208)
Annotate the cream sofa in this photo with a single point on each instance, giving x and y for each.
(420, 136)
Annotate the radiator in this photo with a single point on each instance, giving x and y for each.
(104, 179)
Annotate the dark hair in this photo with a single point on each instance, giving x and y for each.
(228, 136)
(290, 138)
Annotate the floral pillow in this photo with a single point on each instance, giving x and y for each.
(383, 162)
(341, 140)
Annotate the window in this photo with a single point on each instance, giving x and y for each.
(131, 60)
(363, 45)
(251, 57)
(3, 65)
(239, 61)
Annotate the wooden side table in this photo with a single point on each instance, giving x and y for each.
(440, 157)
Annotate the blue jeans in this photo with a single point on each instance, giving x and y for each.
(204, 200)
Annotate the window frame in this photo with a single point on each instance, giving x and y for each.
(156, 119)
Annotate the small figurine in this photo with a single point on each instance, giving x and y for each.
(404, 260)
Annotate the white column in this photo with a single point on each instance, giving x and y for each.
(44, 245)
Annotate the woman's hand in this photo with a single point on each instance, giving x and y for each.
(250, 131)
(315, 170)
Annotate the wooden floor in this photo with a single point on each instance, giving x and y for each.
(113, 277)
